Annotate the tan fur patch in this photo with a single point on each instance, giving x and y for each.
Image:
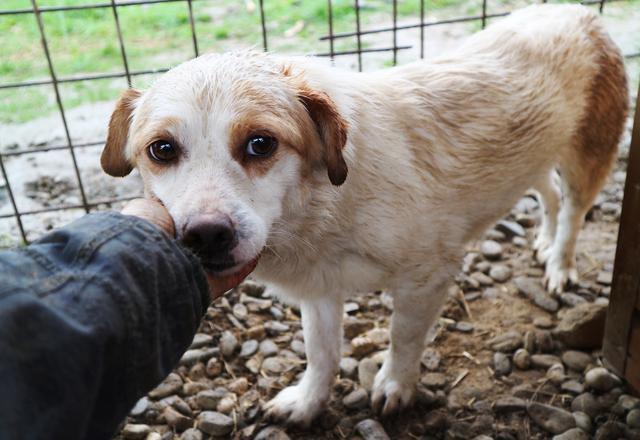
(112, 159)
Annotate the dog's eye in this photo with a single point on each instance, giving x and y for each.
(163, 151)
(261, 146)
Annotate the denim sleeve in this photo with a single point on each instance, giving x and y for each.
(92, 316)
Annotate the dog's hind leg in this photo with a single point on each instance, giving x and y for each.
(322, 329)
(416, 306)
(548, 194)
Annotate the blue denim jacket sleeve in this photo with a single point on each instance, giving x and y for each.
(92, 316)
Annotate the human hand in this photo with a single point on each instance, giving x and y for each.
(154, 212)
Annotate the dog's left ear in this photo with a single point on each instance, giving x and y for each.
(332, 129)
(112, 160)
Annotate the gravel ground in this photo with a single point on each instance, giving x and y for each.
(506, 361)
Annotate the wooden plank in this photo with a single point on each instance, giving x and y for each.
(632, 374)
(626, 273)
(634, 338)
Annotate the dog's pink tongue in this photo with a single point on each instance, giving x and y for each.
(221, 284)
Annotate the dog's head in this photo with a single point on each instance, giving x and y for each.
(222, 140)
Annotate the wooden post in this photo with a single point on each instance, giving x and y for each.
(622, 331)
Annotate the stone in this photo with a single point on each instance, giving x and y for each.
(500, 273)
(132, 431)
(362, 346)
(544, 360)
(268, 348)
(506, 342)
(171, 385)
(509, 404)
(140, 407)
(570, 299)
(239, 386)
(550, 418)
(587, 404)
(436, 421)
(191, 357)
(431, 359)
(633, 419)
(354, 327)
(271, 433)
(600, 379)
(510, 229)
(582, 327)
(379, 336)
(628, 402)
(495, 235)
(604, 277)
(522, 359)
(191, 434)
(532, 289)
(215, 423)
(576, 360)
(529, 342)
(434, 381)
(228, 344)
(482, 279)
(501, 364)
(209, 399)
(464, 327)
(240, 311)
(297, 346)
(543, 322)
(370, 429)
(249, 348)
(348, 367)
(227, 404)
(367, 370)
(544, 341)
(556, 374)
(583, 421)
(252, 288)
(611, 430)
(176, 420)
(274, 365)
(275, 328)
(572, 387)
(200, 340)
(491, 250)
(572, 434)
(356, 399)
(213, 368)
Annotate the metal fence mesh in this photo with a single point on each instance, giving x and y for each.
(55, 81)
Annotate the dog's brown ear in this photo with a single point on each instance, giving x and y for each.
(332, 129)
(113, 160)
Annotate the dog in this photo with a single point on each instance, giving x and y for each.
(343, 182)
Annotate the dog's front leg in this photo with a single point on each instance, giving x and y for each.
(322, 329)
(416, 306)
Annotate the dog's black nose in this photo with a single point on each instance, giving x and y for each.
(212, 238)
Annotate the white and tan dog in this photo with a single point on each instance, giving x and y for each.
(348, 182)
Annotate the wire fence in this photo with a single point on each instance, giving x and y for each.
(127, 73)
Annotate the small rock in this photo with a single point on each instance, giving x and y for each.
(140, 407)
(351, 307)
(464, 327)
(572, 434)
(228, 344)
(214, 367)
(522, 359)
(436, 421)
(271, 433)
(491, 250)
(544, 360)
(611, 430)
(298, 347)
(256, 332)
(550, 418)
(209, 399)
(544, 341)
(200, 340)
(215, 423)
(500, 273)
(510, 229)
(587, 404)
(533, 290)
(582, 326)
(434, 380)
(367, 370)
(604, 278)
(362, 346)
(348, 367)
(431, 359)
(628, 402)
(576, 360)
(274, 365)
(191, 434)
(583, 421)
(495, 235)
(239, 386)
(543, 322)
(501, 364)
(572, 387)
(249, 348)
(275, 328)
(171, 385)
(227, 404)
(556, 373)
(268, 348)
(600, 379)
(509, 404)
(482, 279)
(633, 419)
(135, 431)
(356, 399)
(354, 327)
(240, 311)
(175, 420)
(370, 429)
(529, 342)
(506, 342)
(571, 299)
(252, 288)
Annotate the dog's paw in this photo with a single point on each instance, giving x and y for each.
(542, 247)
(295, 405)
(390, 395)
(557, 277)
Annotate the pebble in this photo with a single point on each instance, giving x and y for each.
(500, 273)
(495, 235)
(214, 367)
(482, 279)
(464, 327)
(509, 404)
(297, 346)
(611, 430)
(171, 385)
(354, 327)
(227, 404)
(370, 429)
(252, 288)
(583, 421)
(275, 328)
(587, 404)
(348, 367)
(573, 387)
(434, 380)
(633, 418)
(191, 357)
(153, 436)
(628, 402)
(572, 434)
(240, 311)
(529, 342)
(604, 277)
(600, 379)
(506, 342)
(274, 365)
(436, 421)
(271, 433)
(191, 434)
(249, 348)
(543, 322)
(215, 423)
(576, 360)
(176, 420)
(491, 250)
(200, 340)
(140, 407)
(209, 399)
(228, 344)
(510, 229)
(544, 341)
(362, 346)
(550, 418)
(556, 373)
(501, 364)
(522, 359)
(367, 370)
(431, 359)
(356, 399)
(544, 360)
(268, 348)
(532, 289)
(135, 431)
(582, 327)
(570, 299)
(239, 386)
(256, 332)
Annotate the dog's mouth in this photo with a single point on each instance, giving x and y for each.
(230, 267)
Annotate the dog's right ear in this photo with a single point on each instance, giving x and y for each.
(113, 160)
